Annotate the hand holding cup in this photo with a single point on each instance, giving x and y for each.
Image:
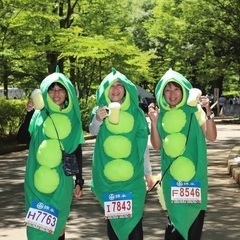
(194, 97)
(37, 98)
(153, 112)
(29, 105)
(114, 112)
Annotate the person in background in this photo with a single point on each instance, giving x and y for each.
(118, 160)
(48, 191)
(222, 101)
(179, 131)
(235, 100)
(235, 106)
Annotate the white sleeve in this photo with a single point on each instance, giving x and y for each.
(94, 126)
(201, 115)
(147, 164)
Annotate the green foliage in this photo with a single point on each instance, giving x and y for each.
(141, 38)
(12, 114)
(198, 38)
(86, 110)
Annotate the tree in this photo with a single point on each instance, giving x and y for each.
(197, 38)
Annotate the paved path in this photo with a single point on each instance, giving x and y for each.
(86, 220)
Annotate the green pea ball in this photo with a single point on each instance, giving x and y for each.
(46, 180)
(117, 147)
(125, 125)
(174, 120)
(182, 169)
(174, 144)
(49, 153)
(118, 170)
(62, 124)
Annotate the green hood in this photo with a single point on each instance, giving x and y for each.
(45, 180)
(172, 76)
(73, 104)
(118, 153)
(131, 90)
(72, 110)
(183, 153)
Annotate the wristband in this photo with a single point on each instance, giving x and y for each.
(79, 182)
(211, 116)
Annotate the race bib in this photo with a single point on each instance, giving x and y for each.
(185, 192)
(118, 205)
(42, 216)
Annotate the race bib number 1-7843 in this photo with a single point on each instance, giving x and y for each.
(118, 205)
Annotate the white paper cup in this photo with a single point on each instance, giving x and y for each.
(114, 112)
(37, 98)
(194, 96)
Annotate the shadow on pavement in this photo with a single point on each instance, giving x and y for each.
(86, 218)
(11, 189)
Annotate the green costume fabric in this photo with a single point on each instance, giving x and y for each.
(118, 154)
(185, 153)
(45, 180)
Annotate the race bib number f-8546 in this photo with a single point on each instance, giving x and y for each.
(42, 216)
(185, 192)
(118, 205)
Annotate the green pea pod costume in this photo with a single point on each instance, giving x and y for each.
(185, 152)
(118, 154)
(45, 180)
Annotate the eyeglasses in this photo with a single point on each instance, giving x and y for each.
(60, 91)
(117, 86)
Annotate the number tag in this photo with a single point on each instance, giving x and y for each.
(118, 205)
(185, 192)
(42, 216)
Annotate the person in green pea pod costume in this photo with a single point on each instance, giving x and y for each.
(46, 185)
(179, 129)
(118, 160)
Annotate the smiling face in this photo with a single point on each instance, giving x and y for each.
(57, 93)
(173, 94)
(116, 92)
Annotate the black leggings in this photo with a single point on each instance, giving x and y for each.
(136, 234)
(194, 233)
(62, 237)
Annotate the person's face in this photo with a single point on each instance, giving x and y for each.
(172, 94)
(57, 94)
(116, 92)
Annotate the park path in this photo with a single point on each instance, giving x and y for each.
(86, 219)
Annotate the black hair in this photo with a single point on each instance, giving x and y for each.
(175, 84)
(56, 84)
(66, 102)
